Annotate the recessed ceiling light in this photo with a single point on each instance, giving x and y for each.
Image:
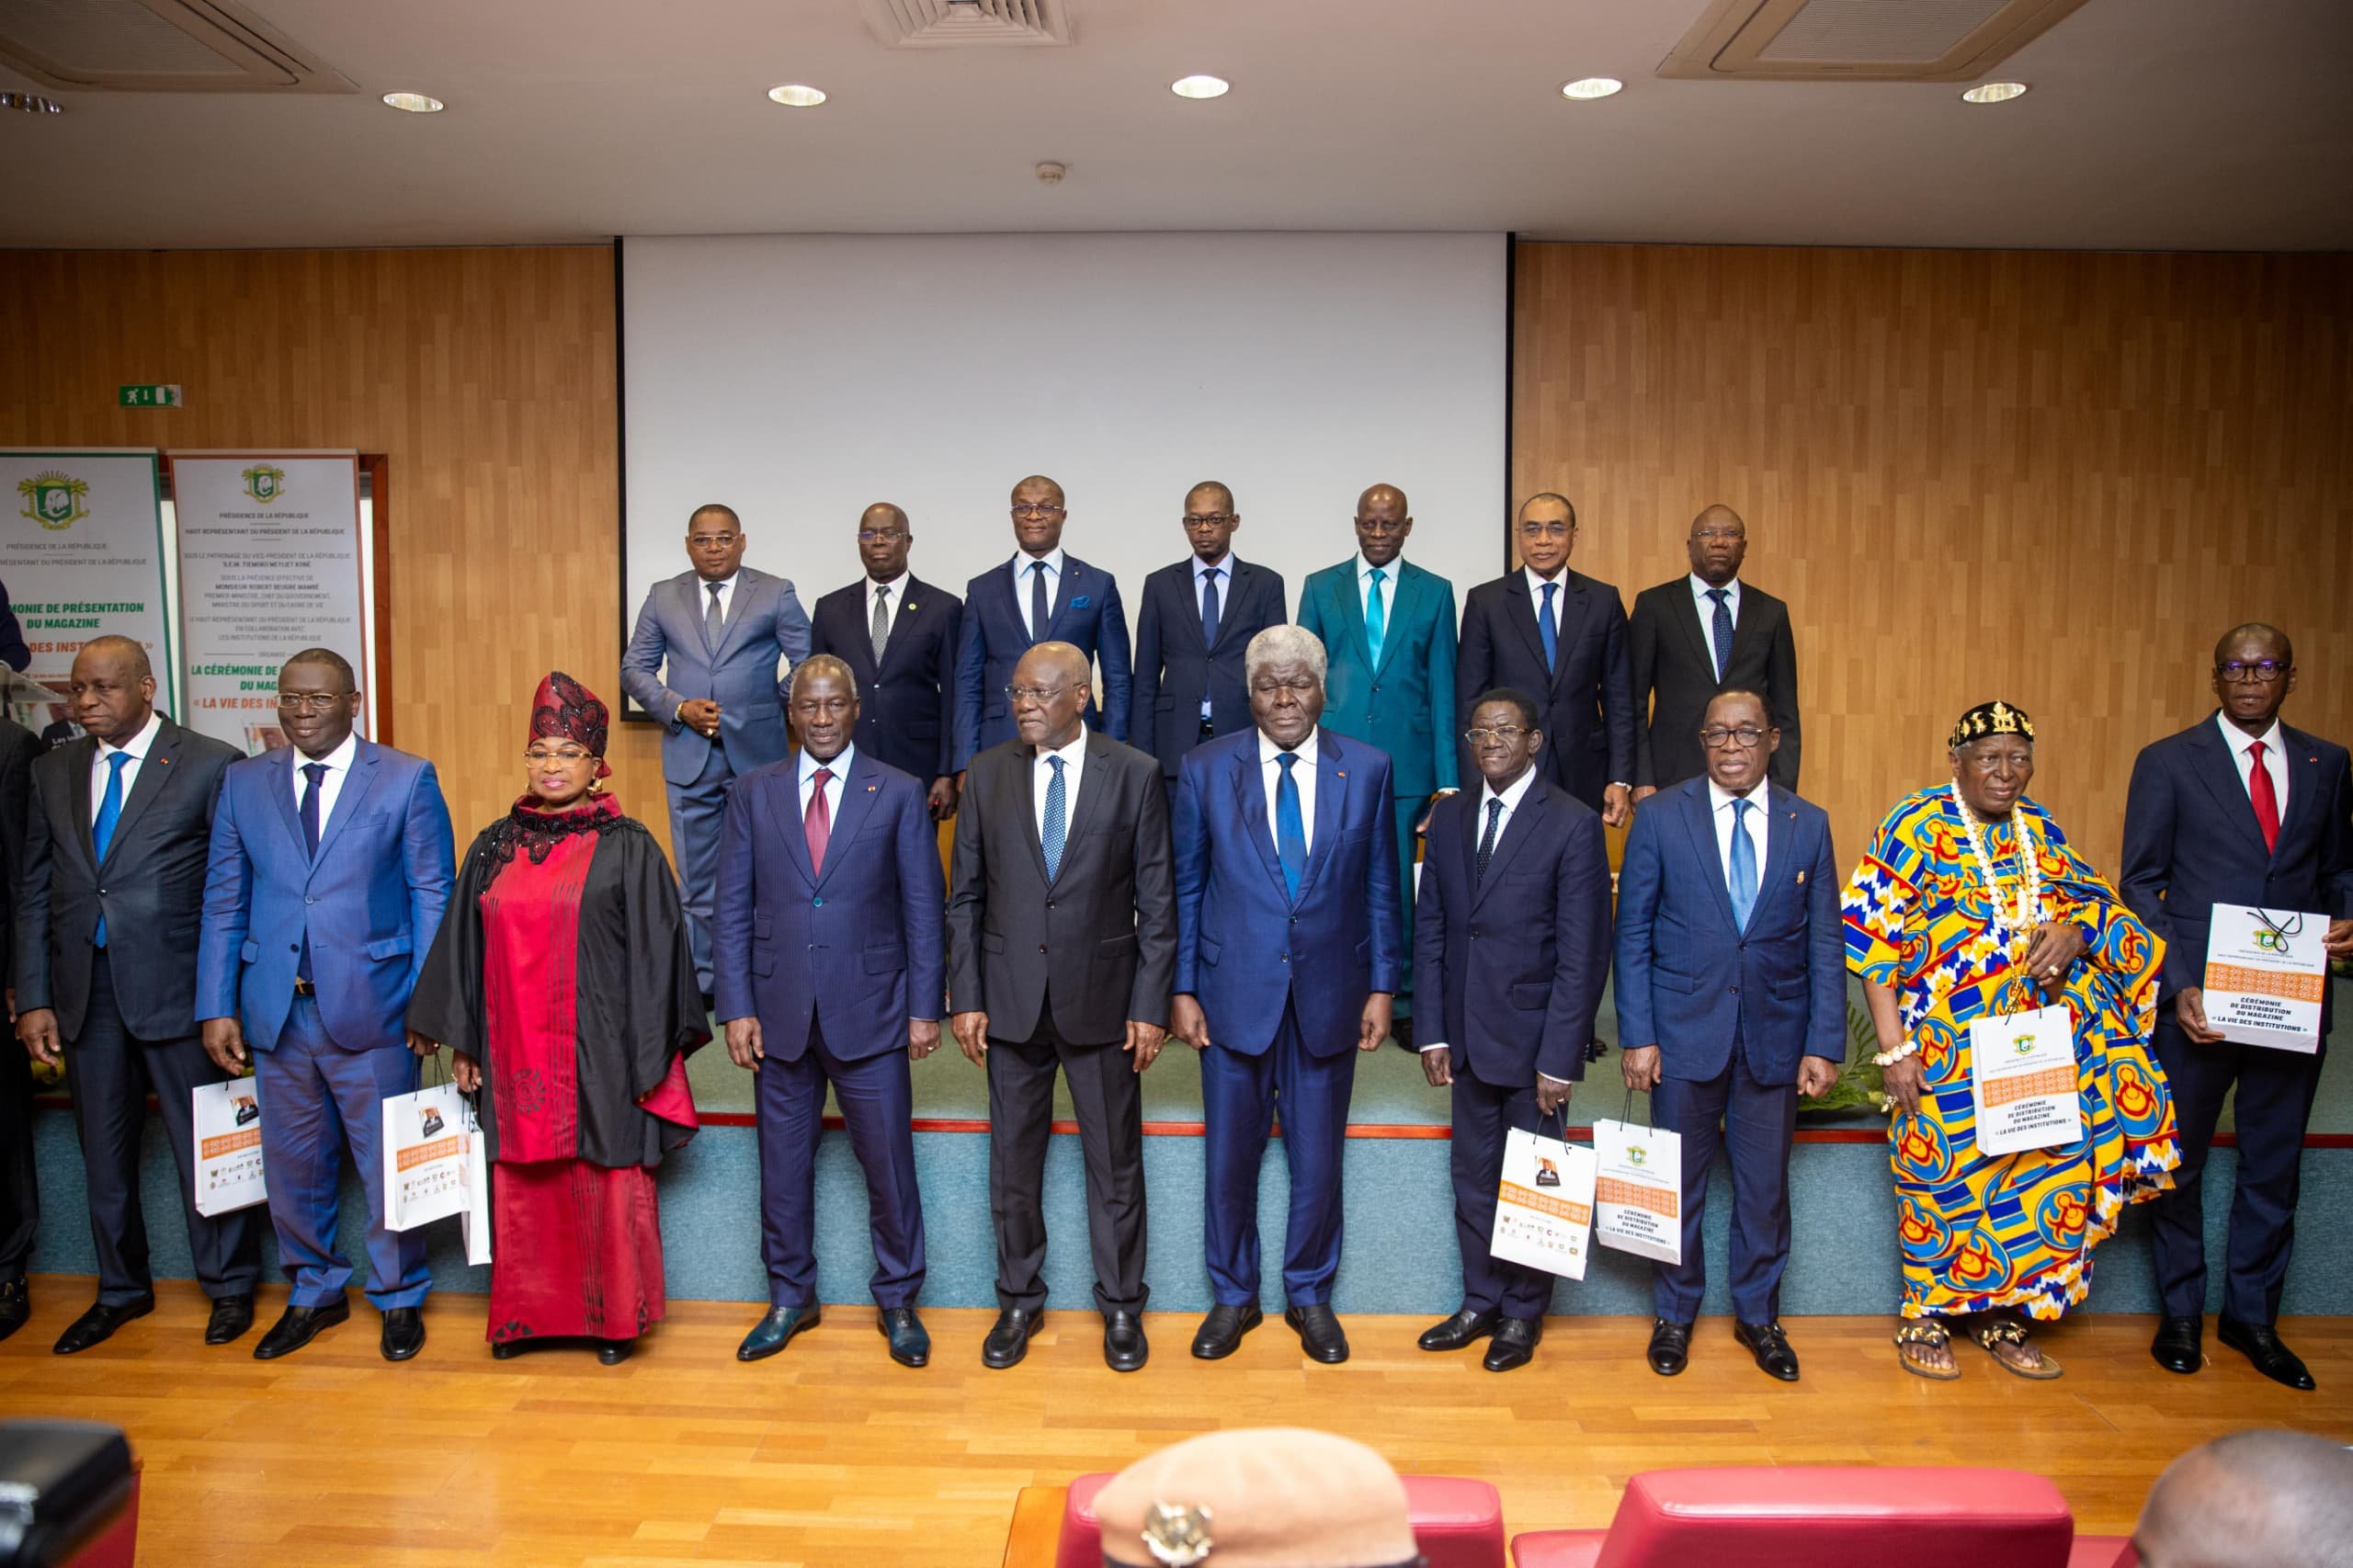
(1993, 92)
(1592, 88)
(797, 95)
(1201, 87)
(29, 103)
(416, 103)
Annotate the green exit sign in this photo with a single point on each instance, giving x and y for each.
(160, 394)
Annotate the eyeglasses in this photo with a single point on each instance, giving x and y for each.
(877, 536)
(1748, 737)
(310, 702)
(1034, 693)
(1208, 519)
(1503, 734)
(1037, 509)
(571, 756)
(1711, 535)
(2263, 670)
(1554, 528)
(1383, 526)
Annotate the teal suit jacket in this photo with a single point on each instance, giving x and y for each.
(1406, 706)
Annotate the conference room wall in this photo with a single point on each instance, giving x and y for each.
(2049, 477)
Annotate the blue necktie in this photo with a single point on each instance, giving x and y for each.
(1209, 608)
(1722, 630)
(1487, 842)
(1744, 866)
(1546, 630)
(1376, 617)
(1057, 827)
(1290, 827)
(1039, 612)
(102, 831)
(312, 773)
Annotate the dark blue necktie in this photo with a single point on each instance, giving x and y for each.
(1546, 630)
(1290, 827)
(1744, 866)
(1057, 825)
(1722, 630)
(1039, 613)
(102, 831)
(312, 773)
(1209, 608)
(1487, 842)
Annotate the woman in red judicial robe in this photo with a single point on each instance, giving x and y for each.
(561, 980)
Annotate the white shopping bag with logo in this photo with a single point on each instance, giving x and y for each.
(2022, 1081)
(228, 1147)
(473, 1223)
(425, 1144)
(1638, 1189)
(2267, 976)
(1544, 1204)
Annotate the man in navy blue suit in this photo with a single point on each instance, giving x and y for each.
(330, 866)
(2238, 810)
(898, 635)
(1043, 594)
(1732, 1002)
(831, 971)
(1196, 619)
(1512, 939)
(1289, 951)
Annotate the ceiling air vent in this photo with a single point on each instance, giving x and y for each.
(968, 24)
(155, 46)
(1858, 40)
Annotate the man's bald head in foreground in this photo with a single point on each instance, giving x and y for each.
(2281, 1499)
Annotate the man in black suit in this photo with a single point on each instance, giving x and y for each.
(19, 1199)
(2239, 810)
(1198, 617)
(1701, 634)
(1062, 946)
(1559, 637)
(119, 830)
(898, 635)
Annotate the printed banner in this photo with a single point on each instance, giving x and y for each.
(269, 565)
(82, 556)
(2267, 974)
(2022, 1081)
(1544, 1204)
(1637, 1190)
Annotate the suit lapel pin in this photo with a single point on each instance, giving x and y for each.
(870, 789)
(1800, 879)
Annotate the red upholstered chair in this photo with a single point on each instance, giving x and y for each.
(1803, 1517)
(1457, 1523)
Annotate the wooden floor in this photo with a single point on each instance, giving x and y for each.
(829, 1454)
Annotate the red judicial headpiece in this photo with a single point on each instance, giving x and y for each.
(566, 711)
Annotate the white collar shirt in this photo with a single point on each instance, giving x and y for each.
(1757, 822)
(1537, 584)
(136, 749)
(1053, 561)
(1302, 773)
(2275, 758)
(1388, 587)
(1223, 566)
(894, 597)
(338, 764)
(1041, 776)
(838, 766)
(727, 586)
(1701, 588)
(1513, 793)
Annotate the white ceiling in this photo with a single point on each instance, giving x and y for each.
(2173, 124)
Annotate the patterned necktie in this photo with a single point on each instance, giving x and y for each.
(818, 825)
(1545, 629)
(1487, 841)
(880, 628)
(2266, 797)
(1209, 608)
(102, 831)
(1720, 629)
(1057, 820)
(1291, 826)
(1039, 612)
(313, 775)
(714, 621)
(1744, 866)
(1376, 617)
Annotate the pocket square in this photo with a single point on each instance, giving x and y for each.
(1078, 603)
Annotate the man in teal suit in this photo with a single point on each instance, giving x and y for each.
(1388, 630)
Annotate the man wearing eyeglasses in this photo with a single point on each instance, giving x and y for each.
(1043, 594)
(2240, 810)
(898, 634)
(331, 863)
(1197, 619)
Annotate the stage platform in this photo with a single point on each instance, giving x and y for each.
(829, 1455)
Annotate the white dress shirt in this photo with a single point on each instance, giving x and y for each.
(1302, 773)
(1719, 802)
(1701, 589)
(2275, 760)
(727, 586)
(1022, 562)
(898, 586)
(1536, 586)
(839, 768)
(136, 746)
(1389, 575)
(1513, 793)
(1073, 757)
(338, 764)
(1224, 567)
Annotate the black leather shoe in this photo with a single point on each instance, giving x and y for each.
(1124, 1350)
(1402, 1031)
(910, 1346)
(1770, 1346)
(613, 1352)
(297, 1326)
(97, 1326)
(774, 1332)
(1670, 1349)
(1220, 1332)
(2179, 1346)
(16, 1306)
(506, 1350)
(1010, 1340)
(2262, 1347)
(231, 1315)
(1319, 1333)
(404, 1334)
(1459, 1330)
(1514, 1343)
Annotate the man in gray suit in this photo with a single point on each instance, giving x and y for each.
(722, 628)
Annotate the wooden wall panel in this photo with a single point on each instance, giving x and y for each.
(2053, 478)
(487, 379)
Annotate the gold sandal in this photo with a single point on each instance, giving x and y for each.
(1932, 1335)
(2009, 1331)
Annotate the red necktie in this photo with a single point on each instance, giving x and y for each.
(819, 824)
(2266, 802)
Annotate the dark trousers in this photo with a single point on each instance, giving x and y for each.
(696, 811)
(2275, 1100)
(1408, 811)
(1484, 1116)
(1109, 1103)
(20, 1198)
(1753, 1122)
(877, 1097)
(110, 1072)
(1241, 1095)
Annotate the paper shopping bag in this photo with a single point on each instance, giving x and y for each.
(2022, 1081)
(228, 1147)
(2267, 976)
(426, 1145)
(474, 1221)
(1545, 1204)
(1637, 1190)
